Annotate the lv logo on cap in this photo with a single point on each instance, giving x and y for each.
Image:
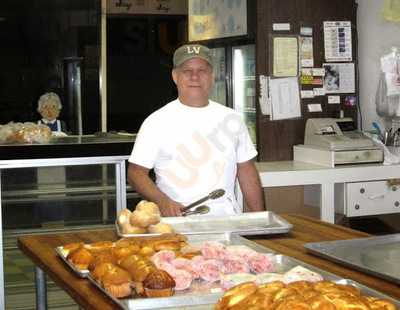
(193, 49)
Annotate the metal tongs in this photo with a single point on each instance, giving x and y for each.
(202, 209)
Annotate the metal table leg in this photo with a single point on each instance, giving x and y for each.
(41, 289)
(120, 185)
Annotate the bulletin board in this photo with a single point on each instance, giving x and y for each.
(305, 20)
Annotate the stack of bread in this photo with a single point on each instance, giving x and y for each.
(145, 219)
(125, 264)
(324, 295)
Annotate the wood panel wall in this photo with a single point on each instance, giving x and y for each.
(276, 138)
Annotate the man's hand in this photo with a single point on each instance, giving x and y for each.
(170, 207)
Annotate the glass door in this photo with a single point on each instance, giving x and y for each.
(244, 87)
(218, 93)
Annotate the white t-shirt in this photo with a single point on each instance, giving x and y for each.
(194, 151)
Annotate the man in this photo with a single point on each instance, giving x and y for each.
(195, 145)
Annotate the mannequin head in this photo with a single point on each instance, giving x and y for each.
(49, 106)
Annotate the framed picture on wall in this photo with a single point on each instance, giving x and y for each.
(217, 19)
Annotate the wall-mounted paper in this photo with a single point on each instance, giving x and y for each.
(264, 100)
(333, 99)
(285, 101)
(314, 107)
(285, 56)
(337, 41)
(306, 52)
(339, 78)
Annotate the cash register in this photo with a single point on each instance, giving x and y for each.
(336, 141)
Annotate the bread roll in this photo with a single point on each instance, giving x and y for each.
(160, 228)
(143, 219)
(147, 206)
(123, 216)
(127, 228)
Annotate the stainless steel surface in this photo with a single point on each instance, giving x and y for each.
(41, 289)
(80, 273)
(206, 299)
(198, 210)
(252, 223)
(378, 256)
(213, 195)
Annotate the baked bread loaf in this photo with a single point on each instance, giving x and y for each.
(159, 284)
(323, 295)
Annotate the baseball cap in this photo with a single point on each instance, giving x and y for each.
(189, 51)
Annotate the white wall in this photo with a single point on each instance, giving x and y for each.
(376, 37)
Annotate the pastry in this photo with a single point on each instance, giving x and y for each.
(117, 282)
(100, 246)
(302, 295)
(67, 248)
(122, 251)
(236, 295)
(160, 228)
(100, 270)
(166, 245)
(146, 251)
(159, 284)
(102, 257)
(81, 258)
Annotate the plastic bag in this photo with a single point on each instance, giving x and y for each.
(391, 10)
(24, 133)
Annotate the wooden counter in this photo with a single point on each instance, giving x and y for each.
(40, 248)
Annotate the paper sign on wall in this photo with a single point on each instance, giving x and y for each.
(285, 56)
(337, 41)
(339, 78)
(285, 101)
(306, 52)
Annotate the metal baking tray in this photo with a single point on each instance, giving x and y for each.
(378, 256)
(250, 223)
(81, 273)
(210, 296)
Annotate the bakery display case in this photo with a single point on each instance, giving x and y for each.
(68, 183)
